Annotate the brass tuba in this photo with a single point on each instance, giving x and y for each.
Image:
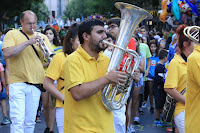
(131, 16)
(192, 32)
(42, 45)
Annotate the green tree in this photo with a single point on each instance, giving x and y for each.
(76, 8)
(41, 10)
(11, 8)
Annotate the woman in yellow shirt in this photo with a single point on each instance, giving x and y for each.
(192, 105)
(55, 72)
(176, 79)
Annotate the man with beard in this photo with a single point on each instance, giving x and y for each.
(85, 76)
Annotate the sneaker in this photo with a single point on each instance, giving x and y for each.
(141, 112)
(136, 120)
(144, 105)
(128, 130)
(152, 110)
(38, 119)
(132, 128)
(169, 130)
(5, 121)
(158, 123)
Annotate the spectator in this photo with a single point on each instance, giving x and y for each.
(158, 86)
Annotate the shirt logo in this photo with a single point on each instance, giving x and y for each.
(153, 63)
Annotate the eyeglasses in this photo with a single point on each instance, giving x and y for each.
(35, 23)
(112, 26)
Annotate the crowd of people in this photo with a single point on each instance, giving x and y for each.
(69, 85)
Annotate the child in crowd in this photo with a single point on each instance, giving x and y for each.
(158, 86)
(154, 60)
(3, 97)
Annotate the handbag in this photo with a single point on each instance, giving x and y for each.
(169, 107)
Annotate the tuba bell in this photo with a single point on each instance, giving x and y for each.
(114, 96)
(192, 32)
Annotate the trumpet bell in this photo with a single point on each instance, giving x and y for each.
(42, 45)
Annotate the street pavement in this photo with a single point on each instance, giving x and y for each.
(146, 124)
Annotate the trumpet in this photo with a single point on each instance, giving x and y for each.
(42, 45)
(192, 32)
(115, 96)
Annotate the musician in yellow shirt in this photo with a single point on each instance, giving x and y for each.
(26, 72)
(55, 72)
(192, 106)
(84, 74)
(176, 79)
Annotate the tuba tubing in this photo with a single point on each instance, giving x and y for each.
(114, 96)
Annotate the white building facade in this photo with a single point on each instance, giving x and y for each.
(56, 7)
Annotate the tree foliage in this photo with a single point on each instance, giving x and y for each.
(41, 10)
(11, 8)
(76, 8)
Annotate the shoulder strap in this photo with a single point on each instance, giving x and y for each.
(62, 88)
(61, 78)
(31, 45)
(183, 91)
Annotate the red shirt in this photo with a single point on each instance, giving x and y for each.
(132, 46)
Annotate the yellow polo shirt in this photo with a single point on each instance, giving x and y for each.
(88, 115)
(177, 79)
(57, 51)
(26, 66)
(192, 107)
(55, 72)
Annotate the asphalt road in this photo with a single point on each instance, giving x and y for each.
(146, 124)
